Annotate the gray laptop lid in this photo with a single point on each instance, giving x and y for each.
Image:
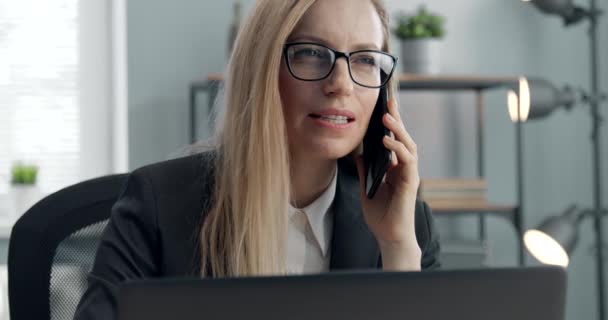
(513, 293)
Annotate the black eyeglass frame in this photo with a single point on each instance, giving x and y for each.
(338, 55)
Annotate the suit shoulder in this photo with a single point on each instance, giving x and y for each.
(174, 174)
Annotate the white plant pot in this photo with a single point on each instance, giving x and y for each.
(422, 56)
(22, 198)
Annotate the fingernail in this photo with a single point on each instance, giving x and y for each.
(390, 118)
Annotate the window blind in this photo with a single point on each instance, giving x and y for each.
(39, 114)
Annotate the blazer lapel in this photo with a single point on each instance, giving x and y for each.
(353, 245)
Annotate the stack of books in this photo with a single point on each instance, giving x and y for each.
(454, 192)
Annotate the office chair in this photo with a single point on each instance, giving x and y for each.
(52, 248)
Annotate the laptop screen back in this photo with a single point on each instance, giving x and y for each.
(498, 294)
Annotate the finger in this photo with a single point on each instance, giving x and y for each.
(403, 154)
(394, 161)
(397, 128)
(393, 109)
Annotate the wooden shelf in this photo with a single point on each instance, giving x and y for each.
(453, 82)
(426, 82)
(455, 207)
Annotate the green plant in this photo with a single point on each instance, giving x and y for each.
(23, 174)
(423, 24)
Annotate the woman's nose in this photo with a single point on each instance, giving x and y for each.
(339, 81)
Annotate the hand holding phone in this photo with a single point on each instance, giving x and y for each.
(376, 158)
(389, 204)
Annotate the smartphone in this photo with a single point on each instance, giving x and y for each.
(376, 158)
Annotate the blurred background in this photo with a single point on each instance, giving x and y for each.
(89, 88)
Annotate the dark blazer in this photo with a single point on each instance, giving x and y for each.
(154, 230)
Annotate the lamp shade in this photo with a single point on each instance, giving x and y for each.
(537, 98)
(563, 8)
(555, 238)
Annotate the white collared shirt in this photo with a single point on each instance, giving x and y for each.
(309, 234)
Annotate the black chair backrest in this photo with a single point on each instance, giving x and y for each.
(52, 248)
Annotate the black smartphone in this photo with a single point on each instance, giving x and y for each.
(376, 158)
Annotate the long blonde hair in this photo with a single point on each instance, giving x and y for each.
(245, 231)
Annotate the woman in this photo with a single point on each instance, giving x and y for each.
(279, 193)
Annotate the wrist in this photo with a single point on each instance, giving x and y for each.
(401, 256)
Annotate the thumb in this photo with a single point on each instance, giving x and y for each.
(361, 174)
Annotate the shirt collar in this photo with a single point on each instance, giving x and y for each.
(317, 214)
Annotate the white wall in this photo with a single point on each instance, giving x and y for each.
(103, 84)
(95, 88)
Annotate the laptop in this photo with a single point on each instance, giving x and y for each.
(497, 294)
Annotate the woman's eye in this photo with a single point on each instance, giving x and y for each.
(366, 61)
(308, 53)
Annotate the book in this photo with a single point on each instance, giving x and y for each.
(464, 190)
(453, 184)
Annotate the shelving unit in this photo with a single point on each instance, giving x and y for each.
(410, 82)
(478, 85)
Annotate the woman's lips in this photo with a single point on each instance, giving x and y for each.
(335, 112)
(332, 122)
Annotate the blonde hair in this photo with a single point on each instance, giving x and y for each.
(245, 231)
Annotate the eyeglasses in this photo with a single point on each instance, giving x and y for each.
(308, 61)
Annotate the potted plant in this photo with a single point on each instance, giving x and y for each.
(420, 36)
(24, 191)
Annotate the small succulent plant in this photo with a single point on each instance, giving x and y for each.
(22, 174)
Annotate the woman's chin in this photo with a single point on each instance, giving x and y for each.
(331, 150)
